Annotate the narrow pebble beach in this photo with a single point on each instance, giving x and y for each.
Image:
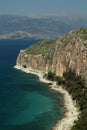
(71, 113)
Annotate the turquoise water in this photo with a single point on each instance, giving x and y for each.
(25, 103)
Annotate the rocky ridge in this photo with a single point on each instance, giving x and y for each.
(58, 55)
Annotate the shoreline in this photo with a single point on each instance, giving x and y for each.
(71, 112)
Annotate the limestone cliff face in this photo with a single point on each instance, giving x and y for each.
(58, 55)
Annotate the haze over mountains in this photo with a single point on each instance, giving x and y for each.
(18, 27)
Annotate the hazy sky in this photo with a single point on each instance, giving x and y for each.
(39, 7)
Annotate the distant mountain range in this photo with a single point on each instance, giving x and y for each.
(18, 27)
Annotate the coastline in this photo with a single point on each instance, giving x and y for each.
(71, 113)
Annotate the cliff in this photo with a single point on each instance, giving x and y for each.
(58, 55)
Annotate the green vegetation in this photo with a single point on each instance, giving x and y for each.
(83, 33)
(52, 76)
(85, 44)
(65, 40)
(40, 47)
(73, 35)
(76, 86)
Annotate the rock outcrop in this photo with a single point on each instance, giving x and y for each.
(58, 55)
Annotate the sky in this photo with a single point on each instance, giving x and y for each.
(43, 7)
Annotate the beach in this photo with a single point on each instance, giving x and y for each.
(71, 111)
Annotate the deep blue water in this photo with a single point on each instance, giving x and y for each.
(25, 103)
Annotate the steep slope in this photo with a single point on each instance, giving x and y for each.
(58, 55)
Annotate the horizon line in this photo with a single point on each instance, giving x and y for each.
(44, 15)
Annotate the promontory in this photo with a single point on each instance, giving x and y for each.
(63, 59)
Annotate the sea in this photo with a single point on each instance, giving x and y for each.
(25, 102)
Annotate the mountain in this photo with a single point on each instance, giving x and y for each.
(58, 55)
(39, 27)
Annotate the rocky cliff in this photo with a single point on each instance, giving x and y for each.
(58, 55)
